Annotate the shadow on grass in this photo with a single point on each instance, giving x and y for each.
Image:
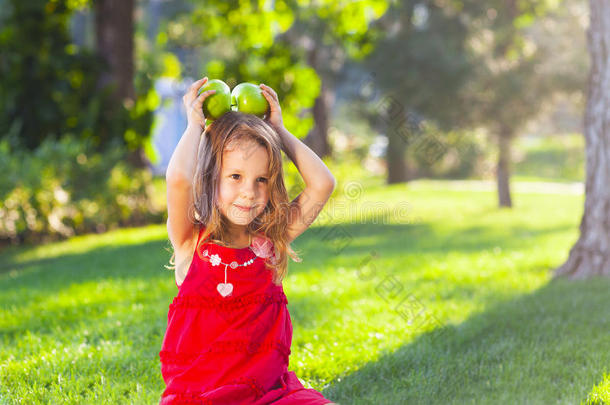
(550, 346)
(389, 240)
(130, 261)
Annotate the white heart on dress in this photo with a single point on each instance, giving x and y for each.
(225, 289)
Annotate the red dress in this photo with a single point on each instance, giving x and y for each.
(230, 350)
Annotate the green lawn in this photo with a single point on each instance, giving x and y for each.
(409, 294)
(560, 157)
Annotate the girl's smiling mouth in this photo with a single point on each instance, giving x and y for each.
(245, 209)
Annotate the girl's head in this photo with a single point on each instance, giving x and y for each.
(239, 165)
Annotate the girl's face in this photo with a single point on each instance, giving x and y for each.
(243, 187)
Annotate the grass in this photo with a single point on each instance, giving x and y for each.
(406, 294)
(600, 393)
(559, 158)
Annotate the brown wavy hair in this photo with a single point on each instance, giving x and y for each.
(236, 128)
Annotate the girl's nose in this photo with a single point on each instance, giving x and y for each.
(248, 191)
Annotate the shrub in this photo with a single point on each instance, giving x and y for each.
(65, 188)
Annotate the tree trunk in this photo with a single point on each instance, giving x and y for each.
(503, 169)
(590, 256)
(317, 139)
(397, 167)
(392, 114)
(114, 29)
(114, 37)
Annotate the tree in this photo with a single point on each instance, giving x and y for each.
(114, 37)
(53, 87)
(114, 28)
(422, 63)
(327, 33)
(516, 74)
(235, 41)
(464, 64)
(296, 47)
(46, 81)
(590, 256)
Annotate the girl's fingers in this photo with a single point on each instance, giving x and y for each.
(191, 93)
(269, 96)
(270, 90)
(198, 100)
(197, 85)
(203, 95)
(264, 88)
(273, 104)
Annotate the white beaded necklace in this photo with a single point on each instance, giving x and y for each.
(225, 288)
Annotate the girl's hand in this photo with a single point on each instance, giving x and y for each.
(274, 116)
(192, 103)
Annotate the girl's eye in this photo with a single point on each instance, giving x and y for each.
(235, 176)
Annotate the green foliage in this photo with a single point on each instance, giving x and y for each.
(246, 51)
(424, 62)
(474, 64)
(345, 26)
(518, 64)
(66, 188)
(49, 85)
(265, 42)
(254, 23)
(46, 80)
(151, 62)
(351, 175)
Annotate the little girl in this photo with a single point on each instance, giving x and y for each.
(230, 223)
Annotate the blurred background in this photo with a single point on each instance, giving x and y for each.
(384, 91)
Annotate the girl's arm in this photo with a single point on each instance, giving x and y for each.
(183, 162)
(313, 170)
(319, 181)
(184, 159)
(319, 184)
(180, 227)
(181, 169)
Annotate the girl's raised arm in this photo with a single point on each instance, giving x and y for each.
(319, 184)
(319, 181)
(181, 169)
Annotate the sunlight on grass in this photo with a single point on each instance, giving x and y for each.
(601, 393)
(86, 243)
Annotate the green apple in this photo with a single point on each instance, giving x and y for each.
(218, 103)
(248, 98)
